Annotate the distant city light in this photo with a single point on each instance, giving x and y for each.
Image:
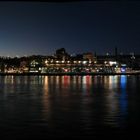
(66, 70)
(112, 63)
(46, 61)
(84, 62)
(123, 70)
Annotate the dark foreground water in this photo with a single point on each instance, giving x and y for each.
(69, 106)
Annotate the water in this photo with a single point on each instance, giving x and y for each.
(69, 106)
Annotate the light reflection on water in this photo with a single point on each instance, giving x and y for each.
(61, 105)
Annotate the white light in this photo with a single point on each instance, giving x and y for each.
(112, 63)
(84, 62)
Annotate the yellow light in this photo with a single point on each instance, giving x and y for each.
(46, 61)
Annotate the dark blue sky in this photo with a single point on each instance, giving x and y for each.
(28, 28)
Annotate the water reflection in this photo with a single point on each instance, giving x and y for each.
(116, 100)
(112, 103)
(46, 110)
(65, 104)
(123, 96)
(86, 85)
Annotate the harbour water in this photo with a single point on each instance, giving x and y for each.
(69, 106)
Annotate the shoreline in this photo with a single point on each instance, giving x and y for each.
(68, 74)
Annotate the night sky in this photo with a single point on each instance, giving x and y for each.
(28, 28)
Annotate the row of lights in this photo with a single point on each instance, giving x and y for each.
(83, 62)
